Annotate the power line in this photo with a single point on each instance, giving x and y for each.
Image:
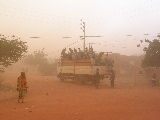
(105, 16)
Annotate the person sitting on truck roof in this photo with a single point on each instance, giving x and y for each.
(79, 50)
(75, 50)
(70, 50)
(93, 55)
(74, 55)
(86, 49)
(70, 54)
(91, 49)
(79, 56)
(63, 54)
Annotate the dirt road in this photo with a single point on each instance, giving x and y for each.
(50, 99)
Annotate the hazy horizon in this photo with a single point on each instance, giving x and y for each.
(121, 24)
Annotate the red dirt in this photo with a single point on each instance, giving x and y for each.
(50, 99)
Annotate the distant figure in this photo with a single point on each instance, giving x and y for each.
(70, 50)
(112, 78)
(97, 80)
(91, 49)
(63, 53)
(154, 79)
(74, 55)
(79, 50)
(79, 57)
(70, 54)
(86, 49)
(22, 86)
(75, 50)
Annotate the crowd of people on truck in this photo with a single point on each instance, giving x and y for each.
(88, 53)
(77, 54)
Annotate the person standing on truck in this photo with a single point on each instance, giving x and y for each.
(79, 54)
(97, 80)
(86, 49)
(91, 49)
(70, 54)
(63, 54)
(112, 78)
(22, 86)
(74, 55)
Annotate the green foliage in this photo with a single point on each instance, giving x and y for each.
(39, 60)
(11, 51)
(152, 56)
(35, 59)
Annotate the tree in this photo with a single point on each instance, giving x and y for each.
(11, 51)
(38, 60)
(35, 59)
(152, 54)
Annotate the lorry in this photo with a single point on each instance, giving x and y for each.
(84, 66)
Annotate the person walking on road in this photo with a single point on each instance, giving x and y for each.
(22, 86)
(112, 78)
(97, 80)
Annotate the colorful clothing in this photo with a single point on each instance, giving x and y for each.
(22, 87)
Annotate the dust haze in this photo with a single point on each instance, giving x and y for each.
(113, 26)
(132, 97)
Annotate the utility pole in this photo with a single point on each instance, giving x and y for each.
(84, 36)
(83, 28)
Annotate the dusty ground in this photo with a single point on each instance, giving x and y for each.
(50, 99)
